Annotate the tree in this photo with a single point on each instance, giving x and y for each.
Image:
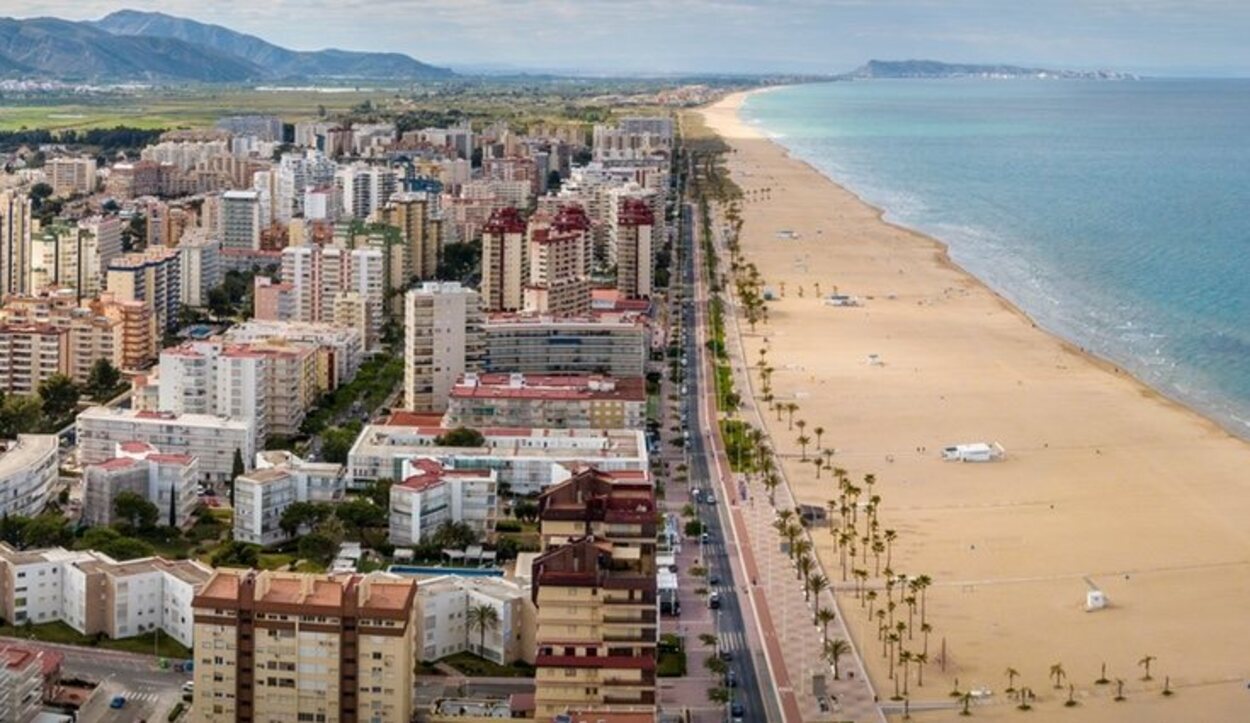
(336, 443)
(173, 506)
(454, 535)
(819, 432)
(48, 530)
(236, 554)
(114, 544)
(59, 395)
(834, 650)
(238, 466)
(19, 414)
(135, 511)
(302, 515)
(102, 380)
(219, 302)
(361, 513)
(824, 616)
(481, 617)
(1011, 674)
(1145, 663)
(317, 547)
(13, 529)
(1058, 673)
(461, 437)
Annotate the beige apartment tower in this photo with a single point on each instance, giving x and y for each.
(560, 256)
(273, 646)
(442, 340)
(504, 270)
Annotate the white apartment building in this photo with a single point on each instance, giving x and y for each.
(166, 480)
(209, 377)
(212, 440)
(322, 280)
(200, 267)
(527, 460)
(616, 345)
(16, 226)
(561, 401)
(431, 494)
(240, 220)
(442, 340)
(23, 680)
(632, 240)
(443, 604)
(279, 480)
(152, 276)
(28, 467)
(363, 189)
(71, 176)
(340, 349)
(93, 593)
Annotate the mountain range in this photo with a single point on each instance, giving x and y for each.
(130, 45)
(937, 69)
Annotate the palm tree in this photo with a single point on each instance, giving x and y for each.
(819, 432)
(834, 650)
(482, 617)
(803, 566)
(1057, 672)
(791, 408)
(920, 659)
(878, 547)
(871, 597)
(1119, 690)
(925, 629)
(922, 583)
(819, 465)
(801, 424)
(816, 584)
(1145, 663)
(824, 616)
(1071, 702)
(803, 442)
(905, 658)
(1011, 674)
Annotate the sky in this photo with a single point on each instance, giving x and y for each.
(1163, 37)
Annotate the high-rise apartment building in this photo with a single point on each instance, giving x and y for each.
(415, 215)
(273, 646)
(71, 176)
(631, 245)
(332, 282)
(595, 587)
(504, 269)
(152, 276)
(15, 239)
(364, 189)
(616, 345)
(201, 268)
(241, 221)
(560, 257)
(211, 378)
(30, 354)
(442, 340)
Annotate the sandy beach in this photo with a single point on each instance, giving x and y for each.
(1105, 482)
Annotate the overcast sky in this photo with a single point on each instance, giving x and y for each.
(1155, 36)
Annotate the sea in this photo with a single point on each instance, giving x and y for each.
(1115, 213)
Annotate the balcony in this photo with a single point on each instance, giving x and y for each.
(621, 616)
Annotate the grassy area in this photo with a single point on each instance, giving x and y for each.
(275, 560)
(59, 632)
(470, 664)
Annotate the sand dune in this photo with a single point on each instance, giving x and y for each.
(1104, 479)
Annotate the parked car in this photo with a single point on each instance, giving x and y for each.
(713, 600)
(118, 702)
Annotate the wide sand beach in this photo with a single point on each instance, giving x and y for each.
(1104, 483)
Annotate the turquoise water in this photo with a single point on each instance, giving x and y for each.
(1117, 214)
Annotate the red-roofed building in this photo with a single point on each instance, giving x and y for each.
(631, 245)
(432, 493)
(560, 256)
(504, 268)
(595, 588)
(166, 480)
(565, 401)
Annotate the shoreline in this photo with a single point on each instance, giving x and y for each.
(942, 249)
(1103, 473)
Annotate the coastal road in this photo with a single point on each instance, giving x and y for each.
(737, 632)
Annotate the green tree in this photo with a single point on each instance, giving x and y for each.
(336, 443)
(300, 515)
(461, 437)
(236, 554)
(46, 531)
(361, 513)
(833, 651)
(238, 467)
(135, 511)
(13, 529)
(113, 543)
(454, 535)
(60, 396)
(20, 414)
(102, 380)
(482, 618)
(318, 548)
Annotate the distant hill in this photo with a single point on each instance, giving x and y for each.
(937, 69)
(62, 49)
(275, 61)
(137, 46)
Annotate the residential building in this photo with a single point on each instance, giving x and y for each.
(240, 220)
(16, 226)
(526, 460)
(339, 349)
(107, 234)
(64, 256)
(432, 493)
(363, 189)
(560, 257)
(504, 269)
(567, 401)
(30, 354)
(631, 247)
(262, 127)
(71, 176)
(27, 674)
(28, 468)
(442, 340)
(637, 139)
(279, 480)
(95, 594)
(208, 377)
(214, 441)
(200, 268)
(135, 319)
(289, 646)
(166, 480)
(154, 277)
(415, 215)
(322, 281)
(443, 605)
(541, 344)
(595, 588)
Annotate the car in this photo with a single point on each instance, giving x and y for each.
(188, 687)
(731, 679)
(725, 654)
(710, 498)
(118, 702)
(713, 600)
(713, 579)
(706, 538)
(737, 710)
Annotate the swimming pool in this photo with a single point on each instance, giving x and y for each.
(422, 571)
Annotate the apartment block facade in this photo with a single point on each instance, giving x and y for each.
(212, 440)
(166, 480)
(279, 480)
(432, 494)
(442, 340)
(565, 401)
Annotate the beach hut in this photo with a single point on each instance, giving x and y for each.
(973, 452)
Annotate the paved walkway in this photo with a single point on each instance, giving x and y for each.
(788, 619)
